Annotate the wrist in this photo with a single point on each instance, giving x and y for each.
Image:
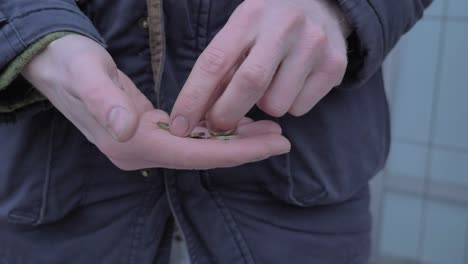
(338, 17)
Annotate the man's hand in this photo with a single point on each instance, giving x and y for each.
(81, 79)
(283, 56)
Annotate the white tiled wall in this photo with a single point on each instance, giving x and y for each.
(456, 8)
(412, 101)
(400, 225)
(445, 233)
(408, 160)
(429, 105)
(452, 112)
(449, 167)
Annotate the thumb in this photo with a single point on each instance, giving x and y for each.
(106, 100)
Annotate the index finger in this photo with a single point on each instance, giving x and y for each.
(212, 66)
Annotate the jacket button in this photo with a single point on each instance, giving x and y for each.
(144, 173)
(144, 23)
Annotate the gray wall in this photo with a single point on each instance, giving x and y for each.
(420, 201)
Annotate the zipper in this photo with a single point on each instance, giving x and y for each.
(176, 219)
(157, 87)
(157, 42)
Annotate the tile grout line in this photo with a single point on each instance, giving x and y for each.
(433, 123)
(445, 147)
(447, 18)
(393, 83)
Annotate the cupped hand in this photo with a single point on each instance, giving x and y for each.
(283, 56)
(82, 81)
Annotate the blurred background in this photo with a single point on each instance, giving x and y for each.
(420, 202)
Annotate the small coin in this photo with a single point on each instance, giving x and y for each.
(200, 135)
(226, 135)
(222, 133)
(226, 138)
(163, 125)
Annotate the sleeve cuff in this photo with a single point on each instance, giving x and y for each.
(24, 32)
(9, 102)
(16, 66)
(366, 50)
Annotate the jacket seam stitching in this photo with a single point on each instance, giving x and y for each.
(163, 57)
(48, 173)
(237, 236)
(12, 24)
(139, 221)
(10, 27)
(30, 12)
(18, 36)
(292, 196)
(231, 223)
(85, 188)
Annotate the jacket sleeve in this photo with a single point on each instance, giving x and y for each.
(377, 26)
(22, 24)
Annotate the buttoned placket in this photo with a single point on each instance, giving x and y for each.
(155, 26)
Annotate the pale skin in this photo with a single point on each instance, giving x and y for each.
(296, 55)
(283, 56)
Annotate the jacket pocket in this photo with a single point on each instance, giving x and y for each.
(336, 149)
(42, 177)
(271, 176)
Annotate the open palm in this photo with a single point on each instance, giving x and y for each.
(105, 105)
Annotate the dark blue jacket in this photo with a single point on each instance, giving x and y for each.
(62, 201)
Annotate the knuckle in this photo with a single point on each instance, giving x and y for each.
(255, 77)
(338, 62)
(274, 109)
(212, 61)
(294, 16)
(315, 37)
(190, 101)
(292, 20)
(335, 67)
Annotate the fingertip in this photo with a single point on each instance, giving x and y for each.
(179, 126)
(280, 145)
(286, 148)
(220, 123)
(121, 123)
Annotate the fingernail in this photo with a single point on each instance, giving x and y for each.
(179, 126)
(118, 122)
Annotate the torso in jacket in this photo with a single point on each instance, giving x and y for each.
(64, 200)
